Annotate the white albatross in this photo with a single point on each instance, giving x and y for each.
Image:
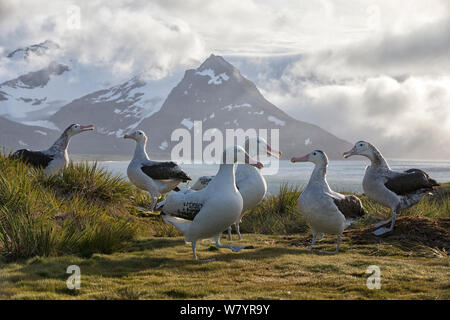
(156, 177)
(393, 189)
(325, 210)
(250, 182)
(205, 214)
(56, 157)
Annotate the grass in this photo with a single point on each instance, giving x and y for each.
(277, 268)
(278, 214)
(81, 210)
(88, 217)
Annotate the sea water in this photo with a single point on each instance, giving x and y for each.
(342, 175)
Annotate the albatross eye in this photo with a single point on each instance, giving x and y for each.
(314, 153)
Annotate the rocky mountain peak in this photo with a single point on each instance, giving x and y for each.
(37, 49)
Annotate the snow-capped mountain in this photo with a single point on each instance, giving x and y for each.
(114, 111)
(46, 80)
(86, 93)
(35, 49)
(32, 96)
(44, 102)
(218, 95)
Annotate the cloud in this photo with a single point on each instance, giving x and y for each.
(168, 33)
(110, 34)
(360, 69)
(393, 90)
(409, 118)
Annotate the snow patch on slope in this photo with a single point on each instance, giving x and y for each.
(235, 106)
(213, 79)
(276, 120)
(187, 123)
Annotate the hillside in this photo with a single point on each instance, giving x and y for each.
(220, 97)
(216, 93)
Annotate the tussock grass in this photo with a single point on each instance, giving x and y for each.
(277, 214)
(77, 211)
(89, 181)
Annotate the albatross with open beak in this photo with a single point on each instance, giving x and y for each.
(56, 157)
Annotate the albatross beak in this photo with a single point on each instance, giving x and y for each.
(87, 128)
(259, 165)
(274, 153)
(128, 136)
(300, 159)
(349, 153)
(253, 162)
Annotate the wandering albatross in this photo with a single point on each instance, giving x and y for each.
(393, 189)
(325, 210)
(205, 214)
(56, 157)
(156, 177)
(250, 182)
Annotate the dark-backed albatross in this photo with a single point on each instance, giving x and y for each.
(393, 189)
(156, 177)
(56, 157)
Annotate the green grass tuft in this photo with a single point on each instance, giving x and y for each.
(90, 182)
(277, 214)
(80, 210)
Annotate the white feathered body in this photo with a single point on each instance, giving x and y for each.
(221, 205)
(251, 184)
(316, 204)
(143, 181)
(60, 161)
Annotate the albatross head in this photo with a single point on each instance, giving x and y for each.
(138, 136)
(258, 144)
(238, 154)
(75, 128)
(361, 148)
(317, 157)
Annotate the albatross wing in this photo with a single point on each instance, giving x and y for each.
(350, 206)
(185, 205)
(34, 158)
(165, 171)
(410, 181)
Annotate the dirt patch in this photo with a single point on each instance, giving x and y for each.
(434, 233)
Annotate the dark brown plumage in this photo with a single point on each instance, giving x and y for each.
(165, 171)
(350, 206)
(411, 181)
(33, 158)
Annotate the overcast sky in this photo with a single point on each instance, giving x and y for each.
(373, 70)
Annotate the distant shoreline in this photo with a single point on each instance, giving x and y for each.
(118, 157)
